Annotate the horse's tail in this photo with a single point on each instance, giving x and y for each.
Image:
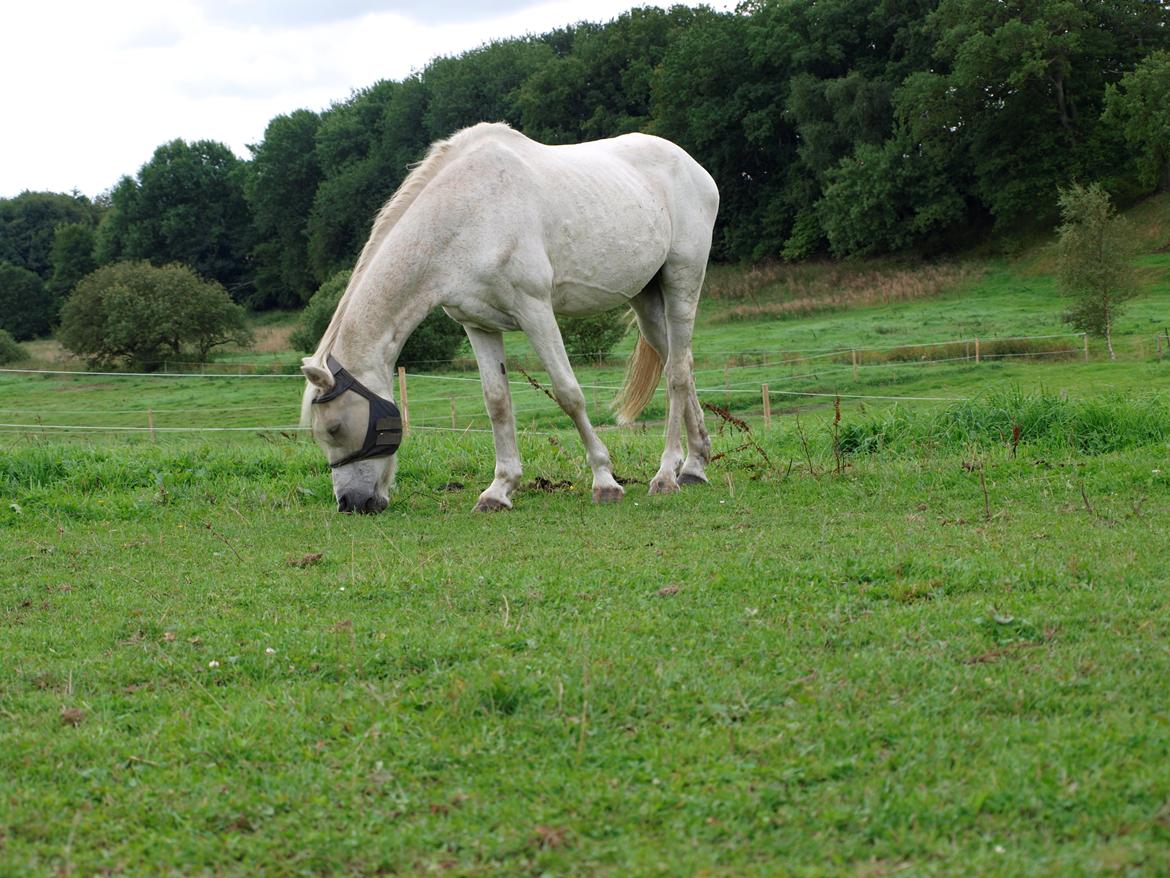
(643, 371)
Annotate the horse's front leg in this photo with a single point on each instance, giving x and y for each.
(545, 336)
(489, 354)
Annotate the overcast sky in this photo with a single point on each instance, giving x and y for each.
(89, 89)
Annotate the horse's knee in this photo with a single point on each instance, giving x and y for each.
(572, 401)
(498, 408)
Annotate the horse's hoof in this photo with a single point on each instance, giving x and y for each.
(692, 479)
(491, 504)
(611, 494)
(662, 486)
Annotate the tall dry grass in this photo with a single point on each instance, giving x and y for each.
(785, 291)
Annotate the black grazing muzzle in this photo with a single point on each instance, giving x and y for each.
(384, 431)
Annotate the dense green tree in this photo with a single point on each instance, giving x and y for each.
(1016, 87)
(481, 85)
(1139, 105)
(283, 178)
(1095, 247)
(135, 314)
(72, 259)
(187, 205)
(887, 197)
(28, 222)
(364, 147)
(602, 88)
(26, 310)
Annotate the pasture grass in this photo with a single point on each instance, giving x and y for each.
(928, 655)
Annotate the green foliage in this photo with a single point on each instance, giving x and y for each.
(1139, 105)
(480, 85)
(364, 148)
(282, 180)
(136, 314)
(29, 221)
(885, 198)
(431, 346)
(601, 85)
(26, 310)
(1095, 247)
(72, 259)
(187, 205)
(317, 314)
(10, 351)
(594, 338)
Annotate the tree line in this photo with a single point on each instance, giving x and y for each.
(839, 127)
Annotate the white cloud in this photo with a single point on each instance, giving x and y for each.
(90, 89)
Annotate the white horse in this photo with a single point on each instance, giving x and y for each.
(505, 233)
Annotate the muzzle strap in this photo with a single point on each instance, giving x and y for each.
(384, 428)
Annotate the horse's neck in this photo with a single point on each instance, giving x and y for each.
(389, 302)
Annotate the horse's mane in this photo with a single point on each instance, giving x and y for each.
(420, 175)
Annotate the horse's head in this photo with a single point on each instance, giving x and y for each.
(359, 431)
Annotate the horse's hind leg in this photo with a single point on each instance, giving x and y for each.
(489, 354)
(540, 325)
(681, 284)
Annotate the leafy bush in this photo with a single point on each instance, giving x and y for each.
(432, 345)
(593, 338)
(10, 351)
(317, 314)
(26, 310)
(134, 313)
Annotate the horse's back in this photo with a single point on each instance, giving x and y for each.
(595, 221)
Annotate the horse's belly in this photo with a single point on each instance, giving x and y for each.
(602, 264)
(578, 300)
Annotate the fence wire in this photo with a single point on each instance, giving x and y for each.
(431, 408)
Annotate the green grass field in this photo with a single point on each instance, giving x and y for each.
(903, 644)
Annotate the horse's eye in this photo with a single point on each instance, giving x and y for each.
(334, 428)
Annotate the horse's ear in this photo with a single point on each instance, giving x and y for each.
(318, 376)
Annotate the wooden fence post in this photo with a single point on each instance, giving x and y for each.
(453, 413)
(403, 406)
(976, 350)
(854, 353)
(767, 406)
(1085, 336)
(150, 423)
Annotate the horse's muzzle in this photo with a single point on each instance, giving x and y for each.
(366, 504)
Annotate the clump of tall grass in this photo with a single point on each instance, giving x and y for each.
(783, 292)
(1088, 426)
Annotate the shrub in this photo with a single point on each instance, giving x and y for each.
(134, 313)
(26, 310)
(432, 345)
(10, 351)
(593, 338)
(315, 318)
